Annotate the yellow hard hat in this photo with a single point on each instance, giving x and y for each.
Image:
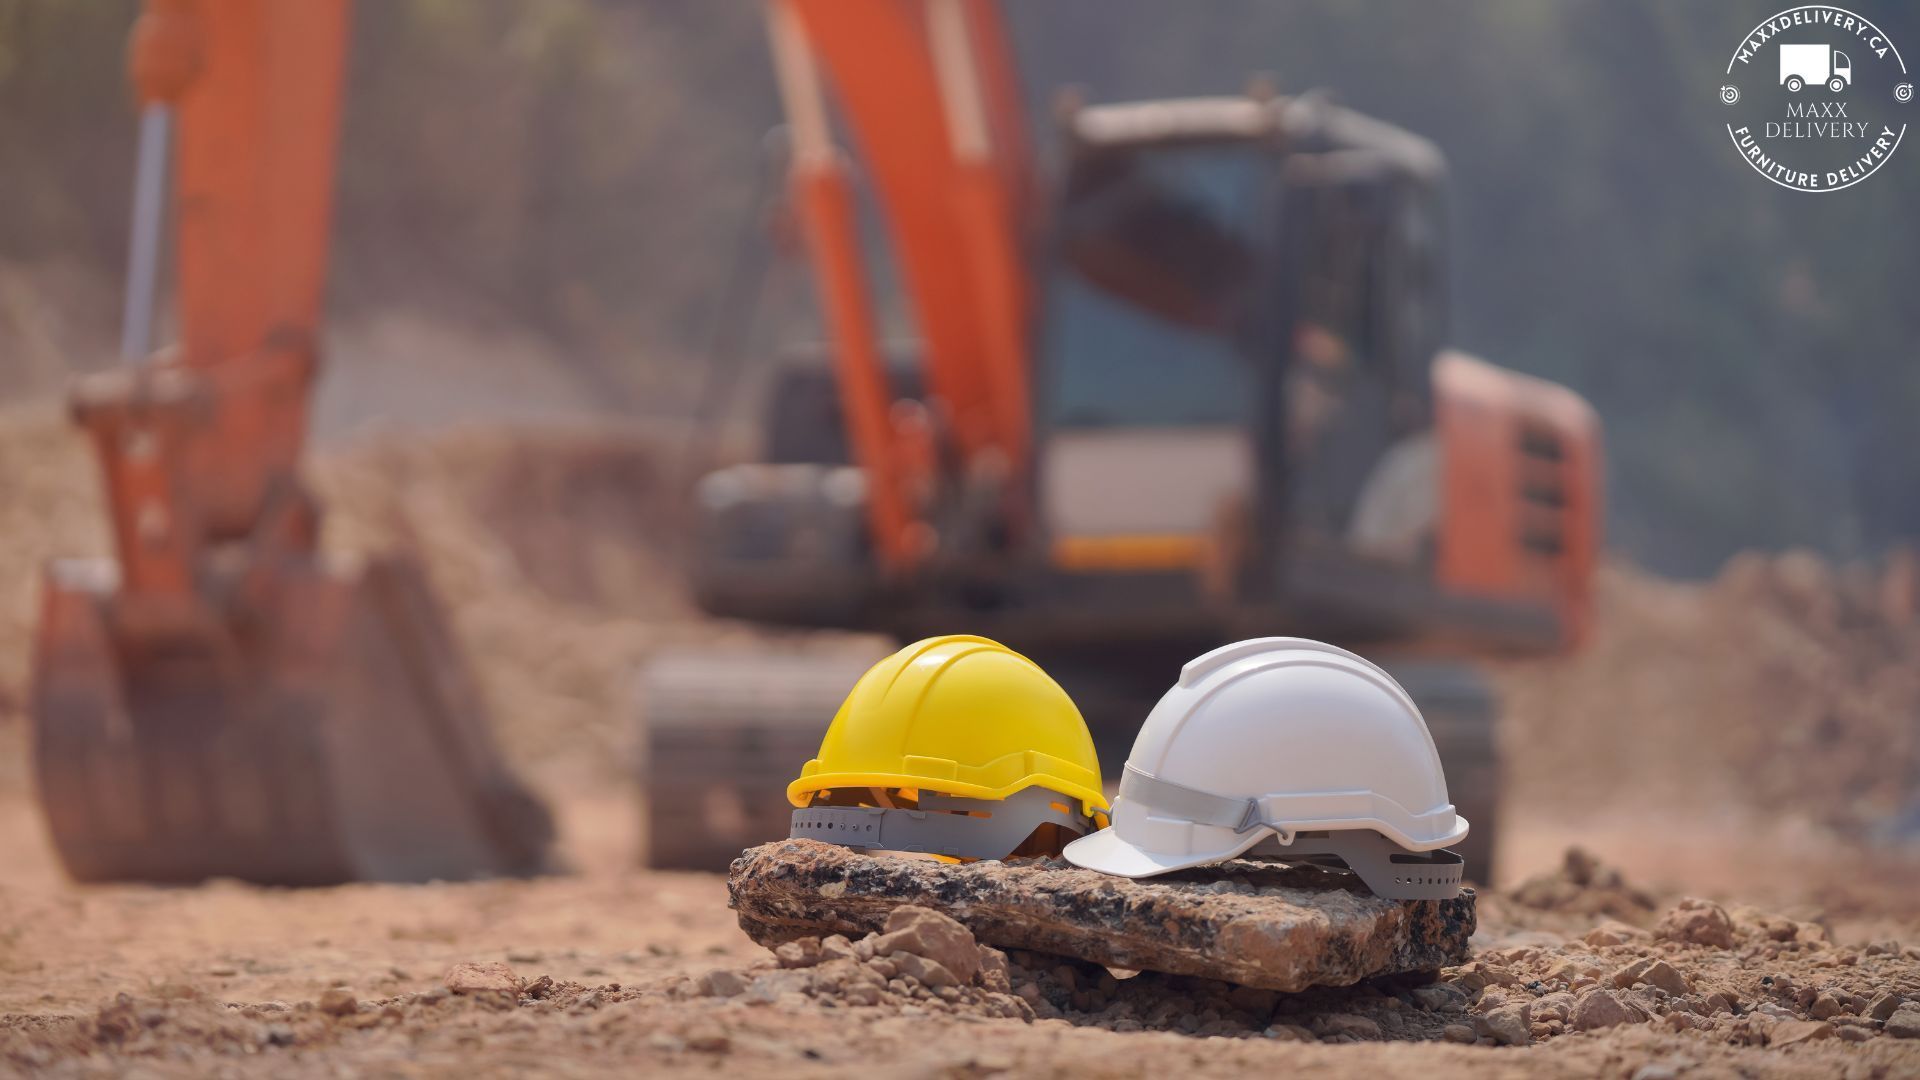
(949, 721)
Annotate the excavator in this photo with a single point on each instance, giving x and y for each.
(221, 698)
(1187, 387)
(1190, 386)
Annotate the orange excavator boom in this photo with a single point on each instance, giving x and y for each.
(928, 88)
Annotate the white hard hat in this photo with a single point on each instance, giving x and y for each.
(1292, 746)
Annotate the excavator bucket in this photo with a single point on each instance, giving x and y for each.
(330, 736)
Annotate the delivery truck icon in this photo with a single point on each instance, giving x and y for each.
(1803, 64)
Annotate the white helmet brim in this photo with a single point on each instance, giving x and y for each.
(1107, 852)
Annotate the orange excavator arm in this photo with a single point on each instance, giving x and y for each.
(221, 699)
(201, 447)
(927, 87)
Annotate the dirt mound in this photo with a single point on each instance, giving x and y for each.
(1583, 885)
(549, 550)
(556, 553)
(1781, 688)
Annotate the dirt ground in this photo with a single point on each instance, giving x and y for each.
(616, 967)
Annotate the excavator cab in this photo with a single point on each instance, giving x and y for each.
(1243, 415)
(1240, 382)
(1216, 316)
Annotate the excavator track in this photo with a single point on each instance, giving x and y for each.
(1462, 712)
(723, 733)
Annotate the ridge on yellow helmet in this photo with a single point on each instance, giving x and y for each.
(954, 746)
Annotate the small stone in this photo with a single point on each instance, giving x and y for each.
(491, 977)
(1883, 1006)
(837, 947)
(722, 983)
(802, 953)
(1654, 972)
(278, 1035)
(1556, 1006)
(1826, 1007)
(926, 933)
(1439, 997)
(1904, 1023)
(1253, 1000)
(709, 1042)
(1458, 1033)
(339, 1001)
(1352, 1026)
(1575, 969)
(1281, 1032)
(1508, 1025)
(1788, 1032)
(1602, 1009)
(863, 949)
(1697, 922)
(1854, 1033)
(1613, 932)
(1883, 948)
(930, 973)
(774, 985)
(1479, 975)
(994, 974)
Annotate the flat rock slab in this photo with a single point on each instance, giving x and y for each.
(1265, 925)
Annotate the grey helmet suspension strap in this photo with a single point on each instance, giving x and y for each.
(1192, 804)
(1383, 866)
(936, 828)
(1391, 871)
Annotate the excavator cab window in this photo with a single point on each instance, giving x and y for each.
(1361, 254)
(1157, 256)
(1335, 383)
